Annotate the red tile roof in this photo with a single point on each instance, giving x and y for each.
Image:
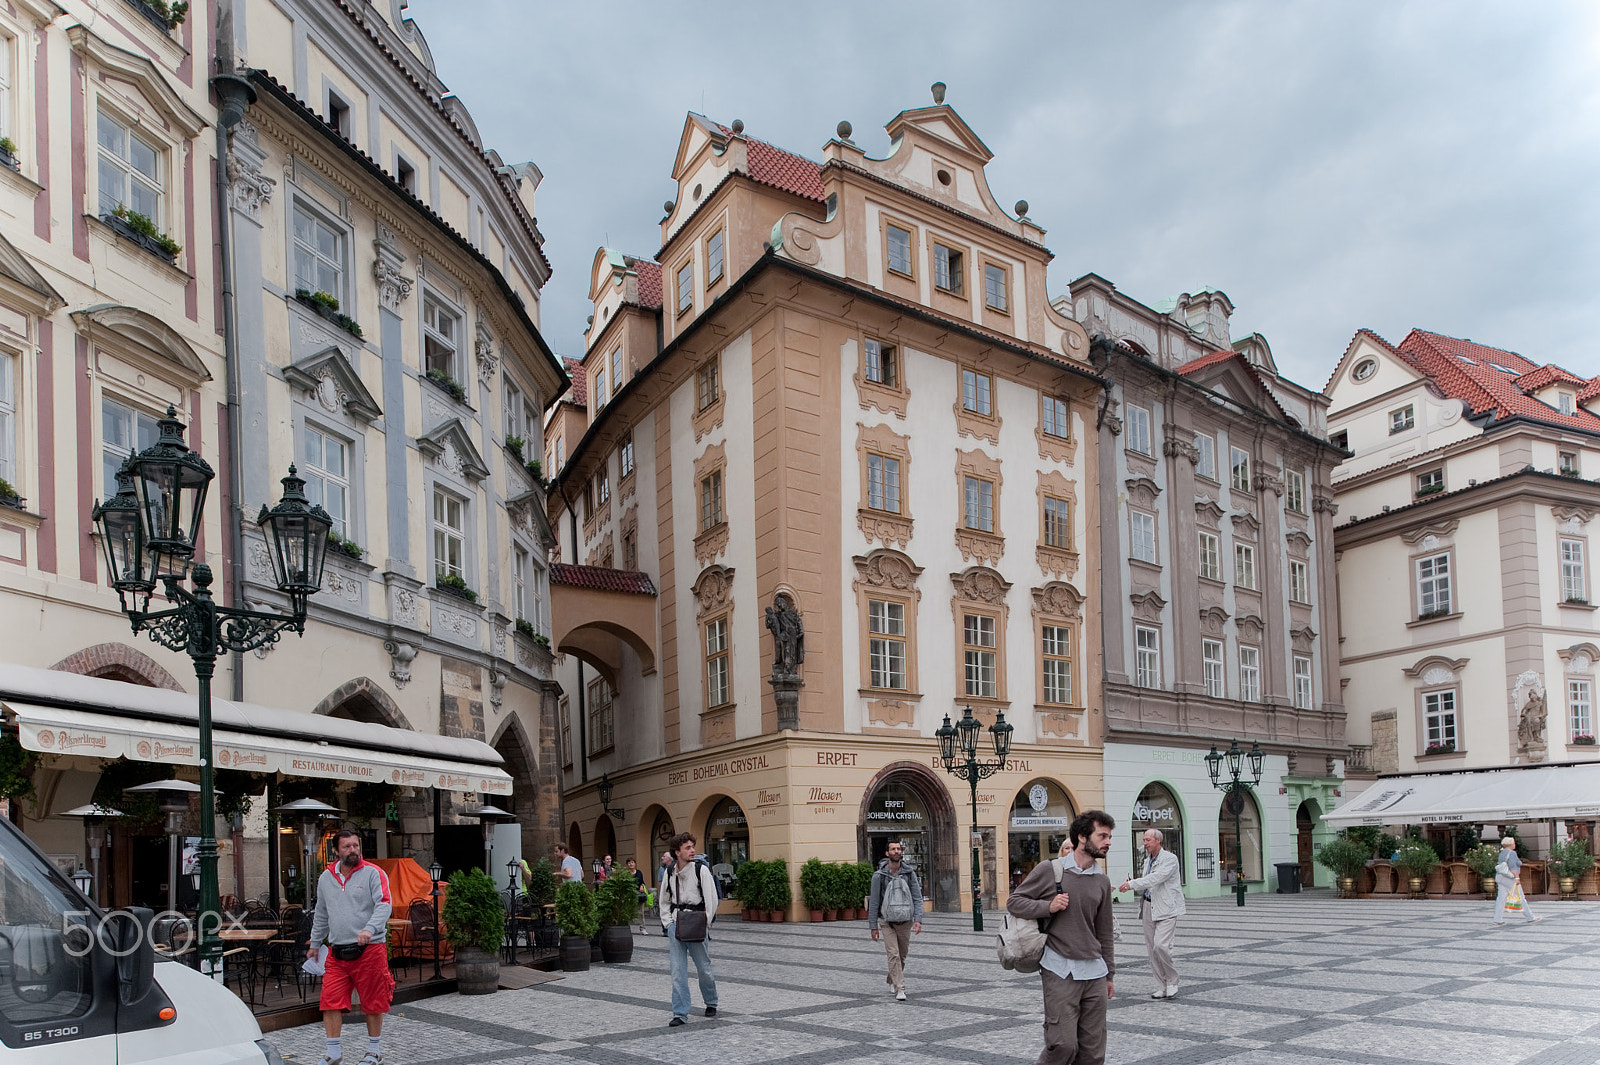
(1589, 391)
(1203, 361)
(579, 393)
(601, 579)
(1190, 368)
(1467, 371)
(1546, 375)
(649, 272)
(781, 169)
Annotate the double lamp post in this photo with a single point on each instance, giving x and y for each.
(1236, 791)
(965, 735)
(149, 530)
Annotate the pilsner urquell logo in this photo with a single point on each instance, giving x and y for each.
(409, 777)
(447, 780)
(81, 739)
(163, 750)
(47, 738)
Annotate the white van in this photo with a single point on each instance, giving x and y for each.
(82, 986)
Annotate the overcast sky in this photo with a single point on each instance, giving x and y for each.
(1330, 166)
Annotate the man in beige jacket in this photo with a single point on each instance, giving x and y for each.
(1160, 905)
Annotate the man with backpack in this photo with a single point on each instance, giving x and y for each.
(896, 899)
(1078, 962)
(689, 895)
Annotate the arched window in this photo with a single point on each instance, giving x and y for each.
(1156, 808)
(1239, 833)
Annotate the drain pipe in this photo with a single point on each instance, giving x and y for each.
(583, 736)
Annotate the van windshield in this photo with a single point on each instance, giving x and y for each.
(45, 962)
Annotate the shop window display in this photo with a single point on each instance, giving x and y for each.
(1040, 814)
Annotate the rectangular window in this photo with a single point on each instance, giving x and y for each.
(883, 483)
(949, 270)
(1341, 439)
(1147, 656)
(978, 637)
(1244, 565)
(1210, 556)
(6, 45)
(339, 115)
(8, 405)
(994, 287)
(449, 536)
(1569, 463)
(899, 241)
(1053, 417)
(1402, 419)
(600, 387)
(1433, 586)
(1299, 581)
(887, 624)
(602, 716)
(630, 549)
(406, 175)
(714, 257)
(130, 171)
(603, 489)
(1206, 464)
(717, 692)
(1211, 664)
(625, 457)
(1302, 682)
(319, 252)
(1056, 663)
(880, 361)
(519, 582)
(975, 392)
(1430, 482)
(711, 500)
(685, 287)
(327, 474)
(512, 413)
(1574, 586)
(1142, 536)
(441, 337)
(616, 371)
(1580, 700)
(979, 504)
(707, 385)
(1250, 674)
(1057, 523)
(1139, 430)
(1564, 402)
(124, 431)
(1240, 460)
(1439, 718)
(1294, 485)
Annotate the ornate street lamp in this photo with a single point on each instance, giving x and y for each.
(604, 788)
(436, 873)
(965, 735)
(1233, 799)
(168, 487)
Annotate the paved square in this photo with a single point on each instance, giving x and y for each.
(1288, 980)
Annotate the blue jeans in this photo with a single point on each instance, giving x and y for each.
(680, 954)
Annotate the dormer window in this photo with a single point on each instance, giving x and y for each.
(1569, 463)
(1402, 419)
(339, 114)
(1564, 402)
(1430, 482)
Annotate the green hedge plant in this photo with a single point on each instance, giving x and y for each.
(616, 901)
(1344, 856)
(813, 884)
(541, 882)
(1571, 858)
(1416, 858)
(575, 911)
(779, 894)
(1482, 859)
(473, 914)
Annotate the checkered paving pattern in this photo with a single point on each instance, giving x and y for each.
(1287, 980)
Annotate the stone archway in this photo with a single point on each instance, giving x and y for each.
(362, 699)
(119, 661)
(513, 745)
(944, 886)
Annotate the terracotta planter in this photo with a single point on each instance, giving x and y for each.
(775, 916)
(816, 916)
(830, 915)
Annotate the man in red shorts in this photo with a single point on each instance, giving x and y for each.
(353, 907)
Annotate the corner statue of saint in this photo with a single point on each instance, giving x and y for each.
(788, 637)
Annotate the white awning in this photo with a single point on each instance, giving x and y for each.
(1533, 793)
(107, 719)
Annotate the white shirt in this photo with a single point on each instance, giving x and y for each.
(1075, 968)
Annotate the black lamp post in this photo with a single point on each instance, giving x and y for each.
(972, 770)
(1233, 801)
(616, 813)
(149, 529)
(435, 872)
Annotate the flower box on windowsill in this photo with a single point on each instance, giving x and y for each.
(347, 548)
(456, 389)
(163, 16)
(1430, 490)
(328, 307)
(457, 587)
(9, 498)
(1577, 604)
(8, 155)
(1437, 749)
(164, 249)
(1428, 619)
(525, 628)
(1582, 740)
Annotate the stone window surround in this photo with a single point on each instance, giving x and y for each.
(682, 306)
(1436, 673)
(1582, 540)
(710, 541)
(983, 279)
(884, 441)
(1134, 514)
(1220, 662)
(704, 624)
(1244, 695)
(890, 399)
(981, 591)
(309, 192)
(1201, 537)
(433, 479)
(1212, 477)
(1579, 664)
(1304, 584)
(1294, 483)
(971, 423)
(709, 417)
(1311, 682)
(1058, 560)
(944, 299)
(888, 576)
(885, 220)
(302, 417)
(979, 544)
(1427, 541)
(1137, 651)
(1062, 449)
(1058, 604)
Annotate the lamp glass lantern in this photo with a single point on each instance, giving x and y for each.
(83, 880)
(1235, 758)
(1000, 731)
(122, 539)
(967, 729)
(1214, 766)
(947, 742)
(171, 482)
(604, 787)
(1257, 757)
(436, 872)
(297, 539)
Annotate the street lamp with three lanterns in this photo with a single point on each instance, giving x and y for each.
(1235, 791)
(964, 734)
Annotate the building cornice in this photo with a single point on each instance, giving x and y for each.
(1553, 488)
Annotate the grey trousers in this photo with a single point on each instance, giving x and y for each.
(897, 944)
(1158, 937)
(1074, 1021)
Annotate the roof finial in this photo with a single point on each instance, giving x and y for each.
(668, 206)
(844, 130)
(738, 125)
(938, 92)
(1022, 208)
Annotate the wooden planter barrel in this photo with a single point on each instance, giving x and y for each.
(477, 972)
(574, 954)
(616, 944)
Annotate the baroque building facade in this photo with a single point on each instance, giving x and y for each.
(834, 485)
(1217, 579)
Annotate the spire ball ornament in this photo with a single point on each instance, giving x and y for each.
(844, 130)
(1022, 208)
(938, 92)
(668, 206)
(738, 125)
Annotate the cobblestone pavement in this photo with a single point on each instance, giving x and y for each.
(1287, 980)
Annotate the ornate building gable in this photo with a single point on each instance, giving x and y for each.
(450, 448)
(328, 379)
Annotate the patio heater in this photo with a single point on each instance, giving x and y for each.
(93, 814)
(487, 815)
(308, 813)
(174, 803)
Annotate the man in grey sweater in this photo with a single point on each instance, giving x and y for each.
(353, 908)
(903, 915)
(1078, 963)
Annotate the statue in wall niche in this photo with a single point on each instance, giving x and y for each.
(788, 637)
(1530, 726)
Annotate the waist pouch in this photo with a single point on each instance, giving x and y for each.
(348, 951)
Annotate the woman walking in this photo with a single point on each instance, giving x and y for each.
(1507, 875)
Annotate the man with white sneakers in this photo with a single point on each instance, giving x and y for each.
(1160, 906)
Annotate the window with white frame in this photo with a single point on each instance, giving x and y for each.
(1568, 463)
(616, 371)
(1580, 704)
(975, 392)
(1564, 402)
(441, 337)
(625, 458)
(714, 257)
(1053, 417)
(449, 536)
(319, 251)
(717, 686)
(1055, 663)
(899, 249)
(536, 586)
(880, 363)
(979, 655)
(1433, 585)
(8, 412)
(327, 474)
(707, 385)
(1142, 536)
(1302, 682)
(1299, 581)
(1210, 556)
(124, 430)
(685, 287)
(1244, 565)
(602, 716)
(1211, 666)
(711, 500)
(1206, 463)
(600, 395)
(949, 270)
(1139, 430)
(1294, 491)
(1240, 462)
(978, 500)
(1430, 482)
(883, 483)
(512, 412)
(1250, 674)
(519, 582)
(994, 287)
(1574, 584)
(886, 624)
(1439, 719)
(1057, 523)
(1147, 656)
(603, 488)
(6, 45)
(130, 169)
(1402, 419)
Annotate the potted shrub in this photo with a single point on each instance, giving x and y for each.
(540, 883)
(474, 922)
(751, 875)
(779, 894)
(8, 154)
(812, 887)
(833, 892)
(9, 497)
(577, 920)
(1571, 859)
(616, 903)
(1416, 860)
(1481, 860)
(1346, 858)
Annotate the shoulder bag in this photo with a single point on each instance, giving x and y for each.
(1021, 942)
